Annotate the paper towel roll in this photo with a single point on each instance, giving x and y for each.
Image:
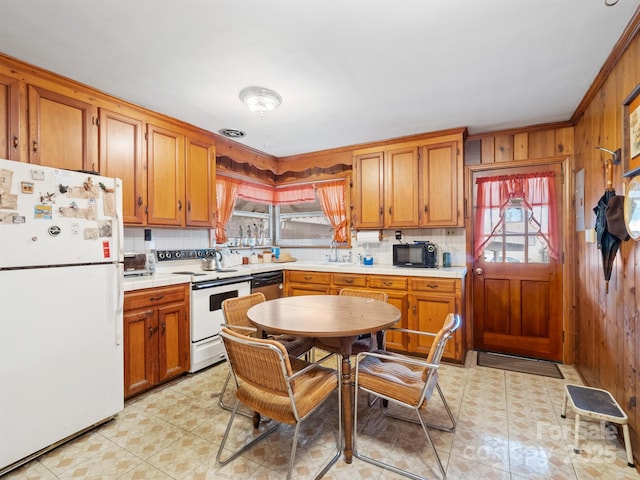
(369, 236)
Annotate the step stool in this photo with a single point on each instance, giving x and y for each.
(596, 404)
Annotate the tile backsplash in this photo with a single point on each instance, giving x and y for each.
(382, 252)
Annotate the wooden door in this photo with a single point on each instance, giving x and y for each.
(62, 132)
(517, 287)
(401, 187)
(140, 351)
(428, 313)
(122, 155)
(9, 118)
(165, 176)
(173, 341)
(440, 201)
(369, 190)
(200, 183)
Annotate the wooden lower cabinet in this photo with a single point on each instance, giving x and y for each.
(424, 303)
(427, 314)
(156, 337)
(307, 283)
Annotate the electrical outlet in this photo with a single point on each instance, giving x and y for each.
(450, 231)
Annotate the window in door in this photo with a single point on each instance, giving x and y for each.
(516, 219)
(515, 237)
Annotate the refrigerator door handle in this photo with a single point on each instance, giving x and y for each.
(120, 306)
(119, 222)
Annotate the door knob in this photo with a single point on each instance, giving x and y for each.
(479, 271)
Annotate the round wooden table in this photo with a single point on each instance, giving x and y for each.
(336, 321)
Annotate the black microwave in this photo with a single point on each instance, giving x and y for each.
(420, 254)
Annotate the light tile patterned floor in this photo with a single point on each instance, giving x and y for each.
(509, 427)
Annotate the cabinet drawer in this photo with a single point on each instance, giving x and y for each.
(154, 296)
(349, 280)
(310, 277)
(439, 285)
(390, 282)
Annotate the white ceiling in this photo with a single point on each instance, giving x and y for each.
(349, 71)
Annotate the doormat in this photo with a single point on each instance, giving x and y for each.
(519, 364)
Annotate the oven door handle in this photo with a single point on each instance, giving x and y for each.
(220, 282)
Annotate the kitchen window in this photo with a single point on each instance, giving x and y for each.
(250, 224)
(303, 224)
(288, 216)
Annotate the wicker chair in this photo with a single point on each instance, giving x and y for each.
(283, 388)
(405, 381)
(361, 344)
(235, 314)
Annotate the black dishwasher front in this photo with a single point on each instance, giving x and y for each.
(268, 283)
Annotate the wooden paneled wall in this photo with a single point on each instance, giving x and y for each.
(607, 339)
(543, 141)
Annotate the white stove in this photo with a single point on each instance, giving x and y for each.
(208, 290)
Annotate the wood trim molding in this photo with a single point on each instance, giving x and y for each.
(629, 33)
(239, 153)
(528, 129)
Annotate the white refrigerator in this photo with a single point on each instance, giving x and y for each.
(61, 298)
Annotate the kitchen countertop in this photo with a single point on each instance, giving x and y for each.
(164, 279)
(153, 281)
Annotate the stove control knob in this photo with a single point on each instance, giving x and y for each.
(178, 254)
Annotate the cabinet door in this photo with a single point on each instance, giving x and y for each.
(428, 313)
(9, 118)
(140, 351)
(165, 176)
(122, 156)
(401, 188)
(368, 199)
(294, 289)
(62, 131)
(396, 340)
(173, 341)
(440, 186)
(201, 182)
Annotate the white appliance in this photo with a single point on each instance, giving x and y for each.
(61, 296)
(209, 288)
(206, 317)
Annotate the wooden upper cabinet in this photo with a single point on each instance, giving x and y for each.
(122, 155)
(9, 118)
(165, 176)
(440, 186)
(386, 189)
(200, 182)
(368, 200)
(401, 187)
(62, 131)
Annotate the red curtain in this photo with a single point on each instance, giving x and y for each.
(226, 189)
(276, 195)
(536, 190)
(332, 199)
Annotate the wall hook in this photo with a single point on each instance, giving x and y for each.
(616, 154)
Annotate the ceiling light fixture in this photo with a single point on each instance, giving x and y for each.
(260, 99)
